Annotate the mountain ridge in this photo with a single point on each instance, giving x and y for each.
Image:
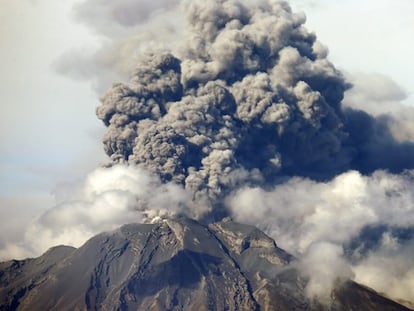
(174, 264)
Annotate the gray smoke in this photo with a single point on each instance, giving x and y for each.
(245, 112)
(251, 96)
(248, 99)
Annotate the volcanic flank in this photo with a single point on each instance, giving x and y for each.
(242, 117)
(172, 265)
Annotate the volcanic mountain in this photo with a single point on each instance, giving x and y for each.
(174, 264)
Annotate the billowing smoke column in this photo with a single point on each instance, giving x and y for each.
(245, 112)
(244, 117)
(250, 97)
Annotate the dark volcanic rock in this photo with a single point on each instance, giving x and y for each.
(172, 265)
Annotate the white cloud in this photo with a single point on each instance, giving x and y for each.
(301, 213)
(326, 268)
(108, 198)
(389, 269)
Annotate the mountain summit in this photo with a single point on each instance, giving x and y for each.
(175, 264)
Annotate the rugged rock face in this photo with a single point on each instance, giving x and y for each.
(172, 265)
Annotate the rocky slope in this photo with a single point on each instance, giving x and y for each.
(172, 265)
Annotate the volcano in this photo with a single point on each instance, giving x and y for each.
(174, 264)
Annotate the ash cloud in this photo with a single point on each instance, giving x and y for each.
(250, 96)
(240, 112)
(248, 101)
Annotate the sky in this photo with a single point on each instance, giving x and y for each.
(50, 135)
(366, 36)
(48, 130)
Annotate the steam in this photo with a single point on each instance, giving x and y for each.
(240, 112)
(389, 269)
(326, 268)
(302, 213)
(106, 199)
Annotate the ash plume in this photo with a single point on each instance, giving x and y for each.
(243, 105)
(242, 115)
(251, 96)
